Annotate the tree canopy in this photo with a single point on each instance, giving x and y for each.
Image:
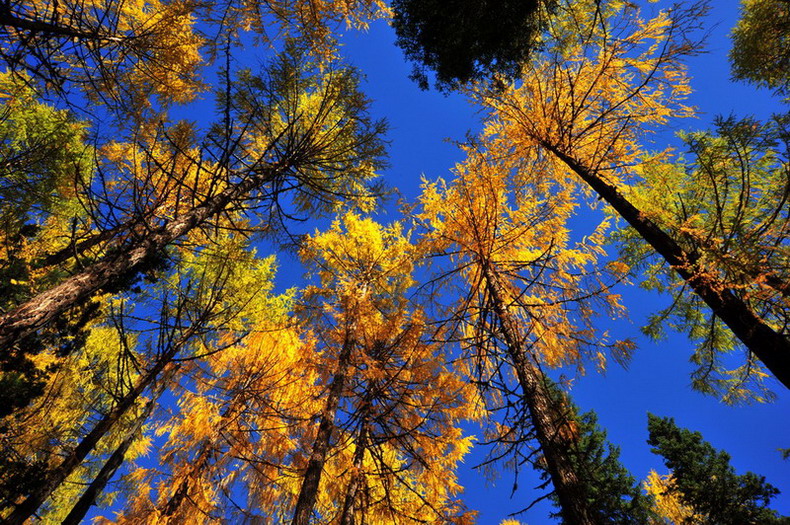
(213, 311)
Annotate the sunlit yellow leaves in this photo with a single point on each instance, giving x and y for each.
(592, 99)
(493, 213)
(365, 264)
(404, 402)
(667, 504)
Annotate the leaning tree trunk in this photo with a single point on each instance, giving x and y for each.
(770, 346)
(108, 470)
(124, 261)
(73, 459)
(308, 493)
(552, 429)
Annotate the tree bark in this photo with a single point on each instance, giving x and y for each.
(42, 309)
(349, 503)
(770, 346)
(552, 429)
(56, 477)
(308, 493)
(88, 498)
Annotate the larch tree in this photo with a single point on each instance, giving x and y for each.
(726, 199)
(145, 203)
(224, 377)
(388, 439)
(761, 40)
(203, 301)
(122, 53)
(605, 79)
(44, 167)
(528, 305)
(298, 133)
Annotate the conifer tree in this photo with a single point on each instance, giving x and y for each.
(527, 305)
(703, 479)
(606, 78)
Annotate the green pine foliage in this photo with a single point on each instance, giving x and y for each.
(613, 494)
(704, 480)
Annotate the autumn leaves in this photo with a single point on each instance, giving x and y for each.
(142, 332)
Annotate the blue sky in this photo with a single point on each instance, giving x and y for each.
(423, 126)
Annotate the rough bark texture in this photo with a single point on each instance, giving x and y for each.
(43, 308)
(770, 346)
(308, 493)
(551, 428)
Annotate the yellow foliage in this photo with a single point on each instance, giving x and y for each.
(667, 505)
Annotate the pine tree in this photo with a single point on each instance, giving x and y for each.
(703, 479)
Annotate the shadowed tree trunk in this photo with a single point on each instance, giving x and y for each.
(552, 430)
(72, 460)
(308, 493)
(349, 504)
(127, 260)
(770, 346)
(97, 486)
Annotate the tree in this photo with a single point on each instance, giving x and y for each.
(312, 137)
(44, 167)
(118, 52)
(136, 55)
(611, 491)
(703, 479)
(527, 304)
(465, 40)
(725, 200)
(761, 40)
(205, 298)
(388, 434)
(245, 361)
(585, 103)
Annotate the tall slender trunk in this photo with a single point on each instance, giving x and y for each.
(308, 493)
(9, 19)
(96, 487)
(551, 427)
(770, 346)
(73, 459)
(349, 503)
(43, 308)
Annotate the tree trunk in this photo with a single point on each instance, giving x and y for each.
(88, 498)
(308, 493)
(112, 269)
(552, 429)
(56, 477)
(33, 26)
(349, 504)
(770, 346)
